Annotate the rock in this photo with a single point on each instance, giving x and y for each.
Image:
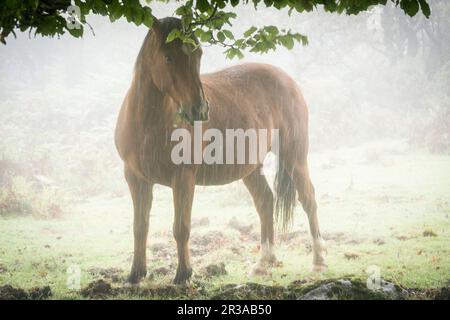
(392, 291)
(345, 289)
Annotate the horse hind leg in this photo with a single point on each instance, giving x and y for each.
(259, 189)
(306, 195)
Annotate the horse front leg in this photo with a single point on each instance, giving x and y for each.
(142, 195)
(183, 186)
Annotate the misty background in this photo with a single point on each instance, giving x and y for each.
(377, 78)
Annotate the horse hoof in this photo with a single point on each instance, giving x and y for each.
(272, 261)
(182, 276)
(259, 269)
(136, 276)
(132, 280)
(319, 268)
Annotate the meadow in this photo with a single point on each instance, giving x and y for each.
(380, 207)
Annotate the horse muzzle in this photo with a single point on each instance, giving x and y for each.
(201, 113)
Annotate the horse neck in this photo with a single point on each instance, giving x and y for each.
(148, 104)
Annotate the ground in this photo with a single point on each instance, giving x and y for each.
(383, 209)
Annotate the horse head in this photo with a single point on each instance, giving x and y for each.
(175, 69)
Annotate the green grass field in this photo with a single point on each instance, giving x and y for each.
(377, 206)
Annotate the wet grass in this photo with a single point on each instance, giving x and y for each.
(390, 211)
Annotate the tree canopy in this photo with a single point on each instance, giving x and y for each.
(209, 20)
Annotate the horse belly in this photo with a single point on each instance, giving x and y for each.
(220, 174)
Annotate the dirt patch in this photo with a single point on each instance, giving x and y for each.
(442, 294)
(167, 291)
(332, 289)
(239, 226)
(101, 289)
(215, 270)
(430, 294)
(111, 274)
(429, 233)
(8, 292)
(250, 291)
(3, 269)
(40, 293)
(379, 241)
(351, 255)
(210, 240)
(200, 222)
(341, 238)
(292, 236)
(162, 250)
(98, 289)
(161, 271)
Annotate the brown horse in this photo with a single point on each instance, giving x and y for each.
(167, 78)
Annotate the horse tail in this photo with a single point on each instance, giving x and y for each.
(285, 196)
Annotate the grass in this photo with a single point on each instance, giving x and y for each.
(377, 208)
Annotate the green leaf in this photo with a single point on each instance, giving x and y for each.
(137, 17)
(271, 29)
(115, 12)
(233, 52)
(424, 6)
(77, 33)
(228, 34)
(250, 31)
(287, 41)
(411, 7)
(203, 5)
(206, 36)
(220, 36)
(174, 34)
(234, 3)
(148, 17)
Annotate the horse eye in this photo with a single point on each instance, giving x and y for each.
(168, 59)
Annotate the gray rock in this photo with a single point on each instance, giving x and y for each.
(355, 290)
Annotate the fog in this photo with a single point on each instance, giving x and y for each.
(377, 76)
(376, 84)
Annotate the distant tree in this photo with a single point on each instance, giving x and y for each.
(209, 20)
(428, 37)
